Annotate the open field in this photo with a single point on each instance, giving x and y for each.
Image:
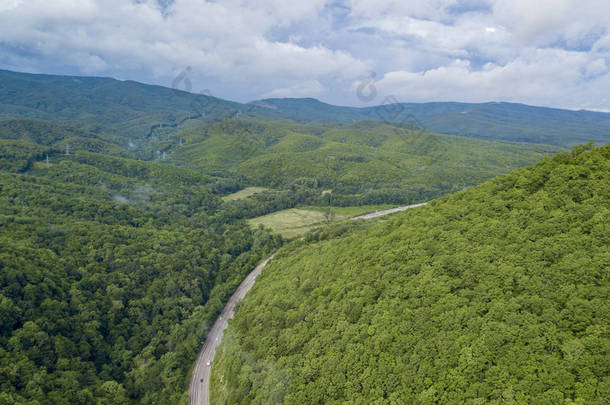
(353, 211)
(297, 221)
(246, 192)
(292, 222)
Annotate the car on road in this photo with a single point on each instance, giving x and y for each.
(209, 363)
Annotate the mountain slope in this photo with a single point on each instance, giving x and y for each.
(498, 294)
(110, 270)
(367, 162)
(136, 110)
(505, 121)
(146, 112)
(65, 136)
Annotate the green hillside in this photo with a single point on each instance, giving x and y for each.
(504, 121)
(497, 294)
(145, 114)
(129, 213)
(111, 270)
(138, 111)
(68, 137)
(367, 162)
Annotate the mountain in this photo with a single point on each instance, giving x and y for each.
(497, 294)
(134, 109)
(313, 110)
(64, 137)
(117, 251)
(144, 114)
(504, 121)
(368, 162)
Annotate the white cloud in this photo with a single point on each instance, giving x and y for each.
(6, 5)
(311, 88)
(543, 22)
(535, 78)
(550, 52)
(224, 40)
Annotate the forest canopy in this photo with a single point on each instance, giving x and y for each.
(497, 294)
(111, 272)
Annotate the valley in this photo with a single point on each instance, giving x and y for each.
(131, 217)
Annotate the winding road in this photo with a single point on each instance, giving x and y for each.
(386, 212)
(200, 380)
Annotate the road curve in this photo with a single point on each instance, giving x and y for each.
(386, 212)
(200, 379)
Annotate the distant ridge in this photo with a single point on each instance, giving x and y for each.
(492, 120)
(138, 110)
(133, 108)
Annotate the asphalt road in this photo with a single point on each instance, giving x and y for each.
(386, 212)
(200, 380)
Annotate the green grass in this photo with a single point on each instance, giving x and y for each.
(292, 222)
(353, 211)
(246, 192)
(295, 222)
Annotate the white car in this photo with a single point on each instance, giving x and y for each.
(209, 363)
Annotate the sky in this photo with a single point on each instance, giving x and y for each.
(352, 52)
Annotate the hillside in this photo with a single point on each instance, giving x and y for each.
(504, 121)
(64, 137)
(146, 114)
(111, 269)
(497, 294)
(138, 111)
(368, 162)
(334, 164)
(117, 250)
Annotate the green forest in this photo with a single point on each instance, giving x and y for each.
(130, 213)
(112, 270)
(368, 162)
(143, 112)
(496, 294)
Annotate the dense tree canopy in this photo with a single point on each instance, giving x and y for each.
(363, 163)
(497, 294)
(111, 272)
(116, 254)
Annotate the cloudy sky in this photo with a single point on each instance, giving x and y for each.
(351, 52)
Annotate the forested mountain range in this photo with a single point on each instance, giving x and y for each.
(368, 162)
(134, 109)
(496, 120)
(117, 250)
(496, 294)
(142, 111)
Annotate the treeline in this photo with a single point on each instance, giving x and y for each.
(497, 294)
(304, 194)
